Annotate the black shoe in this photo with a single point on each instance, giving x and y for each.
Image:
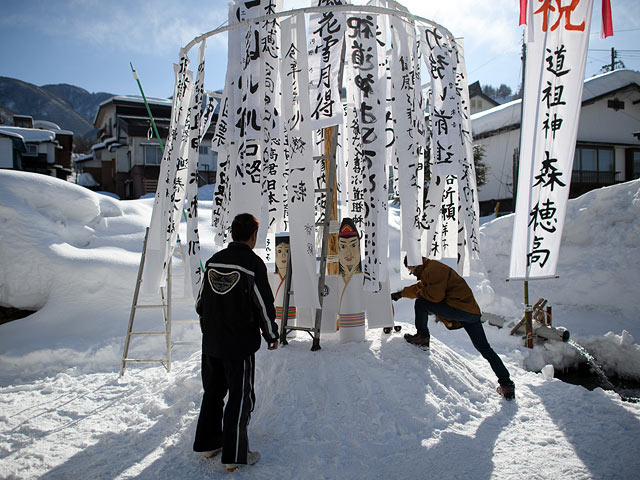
(507, 391)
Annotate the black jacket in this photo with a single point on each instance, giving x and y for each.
(235, 304)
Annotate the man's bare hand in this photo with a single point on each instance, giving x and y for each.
(273, 346)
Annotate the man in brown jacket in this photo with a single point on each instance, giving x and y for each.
(443, 293)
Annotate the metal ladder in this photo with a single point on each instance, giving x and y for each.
(165, 305)
(325, 224)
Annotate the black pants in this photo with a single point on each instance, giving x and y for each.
(472, 324)
(221, 425)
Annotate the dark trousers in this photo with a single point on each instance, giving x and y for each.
(221, 425)
(473, 326)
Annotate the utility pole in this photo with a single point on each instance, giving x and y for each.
(613, 58)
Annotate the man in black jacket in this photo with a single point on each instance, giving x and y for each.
(235, 304)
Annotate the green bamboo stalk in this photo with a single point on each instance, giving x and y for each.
(155, 131)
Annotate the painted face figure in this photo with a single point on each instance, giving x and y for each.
(349, 248)
(282, 255)
(349, 252)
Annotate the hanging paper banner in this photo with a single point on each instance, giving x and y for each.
(451, 150)
(355, 172)
(169, 198)
(468, 245)
(326, 39)
(370, 93)
(554, 77)
(274, 171)
(247, 153)
(192, 264)
(294, 77)
(224, 138)
(403, 66)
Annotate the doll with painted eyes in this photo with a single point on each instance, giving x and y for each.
(351, 308)
(277, 280)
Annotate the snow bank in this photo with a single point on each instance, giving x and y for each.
(62, 247)
(599, 265)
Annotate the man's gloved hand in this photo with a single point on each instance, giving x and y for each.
(395, 296)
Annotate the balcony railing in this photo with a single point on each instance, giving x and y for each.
(593, 177)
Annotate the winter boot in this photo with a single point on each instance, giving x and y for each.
(418, 339)
(252, 459)
(211, 453)
(507, 391)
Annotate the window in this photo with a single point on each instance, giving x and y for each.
(632, 164)
(203, 150)
(594, 165)
(32, 150)
(152, 155)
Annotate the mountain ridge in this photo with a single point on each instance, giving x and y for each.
(71, 107)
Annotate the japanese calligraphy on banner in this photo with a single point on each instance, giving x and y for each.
(294, 78)
(193, 270)
(362, 39)
(554, 76)
(468, 244)
(170, 194)
(451, 152)
(274, 164)
(326, 38)
(224, 136)
(404, 68)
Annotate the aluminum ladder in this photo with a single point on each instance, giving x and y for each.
(325, 224)
(165, 306)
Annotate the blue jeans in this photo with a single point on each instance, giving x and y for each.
(473, 326)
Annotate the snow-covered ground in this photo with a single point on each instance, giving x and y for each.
(377, 409)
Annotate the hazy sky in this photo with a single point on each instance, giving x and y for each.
(89, 43)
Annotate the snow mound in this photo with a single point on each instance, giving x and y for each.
(39, 216)
(599, 264)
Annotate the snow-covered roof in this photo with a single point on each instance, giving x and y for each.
(138, 99)
(133, 99)
(508, 114)
(32, 135)
(104, 144)
(83, 158)
(46, 125)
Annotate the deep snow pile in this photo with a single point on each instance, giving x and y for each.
(377, 409)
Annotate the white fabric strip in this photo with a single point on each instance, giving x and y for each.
(294, 77)
(326, 38)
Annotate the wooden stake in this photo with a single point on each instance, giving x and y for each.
(333, 267)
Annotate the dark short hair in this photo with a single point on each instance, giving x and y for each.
(243, 227)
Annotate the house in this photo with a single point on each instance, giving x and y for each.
(127, 159)
(607, 146)
(479, 102)
(36, 146)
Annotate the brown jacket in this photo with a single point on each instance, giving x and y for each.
(439, 282)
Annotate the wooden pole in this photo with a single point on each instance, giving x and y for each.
(330, 135)
(528, 311)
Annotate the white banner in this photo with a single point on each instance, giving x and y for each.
(294, 77)
(326, 38)
(192, 263)
(224, 140)
(468, 245)
(403, 66)
(274, 164)
(554, 77)
(370, 94)
(169, 199)
(452, 173)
